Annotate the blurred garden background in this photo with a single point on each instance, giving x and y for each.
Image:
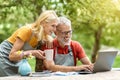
(95, 23)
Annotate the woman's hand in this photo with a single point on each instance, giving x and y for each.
(49, 44)
(37, 53)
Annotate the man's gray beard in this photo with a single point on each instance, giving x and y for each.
(63, 42)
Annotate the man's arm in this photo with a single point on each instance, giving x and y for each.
(50, 65)
(85, 60)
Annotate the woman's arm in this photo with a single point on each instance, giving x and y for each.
(14, 56)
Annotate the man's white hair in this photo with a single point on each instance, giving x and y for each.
(64, 20)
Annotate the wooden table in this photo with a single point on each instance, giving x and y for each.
(109, 75)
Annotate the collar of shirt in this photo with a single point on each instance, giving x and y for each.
(60, 50)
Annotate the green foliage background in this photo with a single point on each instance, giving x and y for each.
(87, 17)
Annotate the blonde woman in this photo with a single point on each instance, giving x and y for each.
(23, 42)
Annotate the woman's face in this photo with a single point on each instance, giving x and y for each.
(50, 27)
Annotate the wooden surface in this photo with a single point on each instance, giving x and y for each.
(109, 75)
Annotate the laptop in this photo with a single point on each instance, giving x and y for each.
(104, 62)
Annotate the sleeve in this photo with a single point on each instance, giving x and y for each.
(80, 53)
(24, 33)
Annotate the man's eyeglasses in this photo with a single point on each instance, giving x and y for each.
(65, 32)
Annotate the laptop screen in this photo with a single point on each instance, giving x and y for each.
(104, 61)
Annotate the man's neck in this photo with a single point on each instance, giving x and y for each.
(62, 45)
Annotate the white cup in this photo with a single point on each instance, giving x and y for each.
(49, 54)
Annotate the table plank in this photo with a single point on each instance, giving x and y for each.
(109, 75)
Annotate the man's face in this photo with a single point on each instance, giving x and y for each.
(64, 34)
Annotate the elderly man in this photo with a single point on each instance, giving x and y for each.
(67, 51)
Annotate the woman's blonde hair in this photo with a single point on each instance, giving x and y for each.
(47, 16)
